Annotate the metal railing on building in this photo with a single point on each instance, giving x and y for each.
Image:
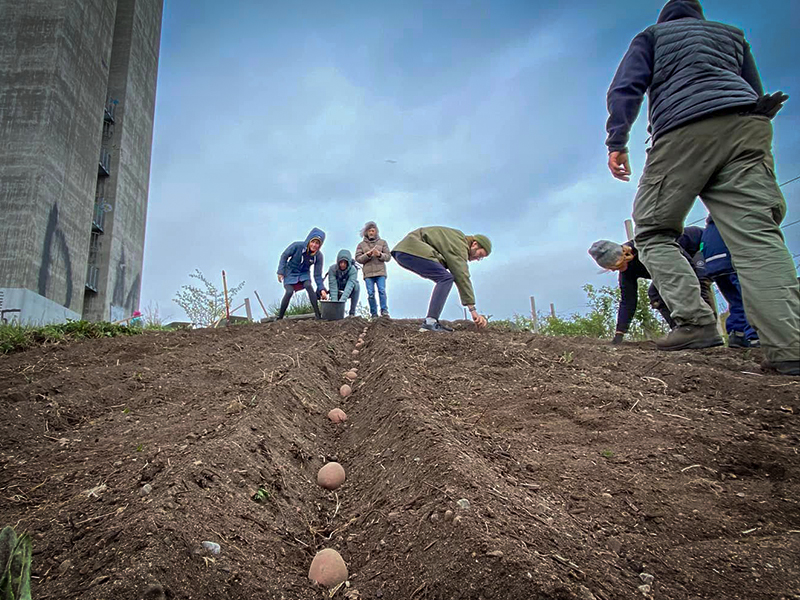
(104, 168)
(92, 277)
(99, 215)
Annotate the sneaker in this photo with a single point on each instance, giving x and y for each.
(435, 326)
(737, 340)
(691, 337)
(385, 313)
(786, 367)
(754, 343)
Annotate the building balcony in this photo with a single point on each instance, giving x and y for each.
(110, 109)
(104, 167)
(99, 215)
(92, 277)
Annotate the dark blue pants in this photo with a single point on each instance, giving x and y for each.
(730, 289)
(429, 269)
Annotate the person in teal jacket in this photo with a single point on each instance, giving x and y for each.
(343, 280)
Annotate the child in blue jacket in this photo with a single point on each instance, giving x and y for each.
(719, 267)
(343, 280)
(294, 270)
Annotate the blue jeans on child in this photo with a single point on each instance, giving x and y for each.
(371, 282)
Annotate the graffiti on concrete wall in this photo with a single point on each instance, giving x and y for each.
(55, 259)
(124, 295)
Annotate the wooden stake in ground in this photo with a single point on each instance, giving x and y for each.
(225, 289)
(266, 314)
(552, 310)
(534, 318)
(247, 309)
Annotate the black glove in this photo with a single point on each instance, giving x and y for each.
(617, 338)
(768, 105)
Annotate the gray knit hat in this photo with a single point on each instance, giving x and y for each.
(605, 253)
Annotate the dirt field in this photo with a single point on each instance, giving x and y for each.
(589, 470)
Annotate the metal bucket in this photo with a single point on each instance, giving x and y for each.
(331, 310)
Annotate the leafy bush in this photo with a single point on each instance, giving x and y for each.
(601, 319)
(204, 305)
(15, 560)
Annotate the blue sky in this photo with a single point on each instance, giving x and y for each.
(272, 118)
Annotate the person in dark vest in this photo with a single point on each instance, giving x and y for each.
(719, 267)
(711, 137)
(624, 258)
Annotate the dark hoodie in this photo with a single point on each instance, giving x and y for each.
(709, 91)
(342, 281)
(296, 261)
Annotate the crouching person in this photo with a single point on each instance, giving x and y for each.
(624, 258)
(343, 281)
(294, 270)
(442, 254)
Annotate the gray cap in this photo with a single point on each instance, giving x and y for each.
(606, 253)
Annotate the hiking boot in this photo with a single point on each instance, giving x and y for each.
(737, 340)
(691, 337)
(754, 343)
(435, 326)
(786, 367)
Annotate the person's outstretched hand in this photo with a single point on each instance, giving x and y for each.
(280, 278)
(619, 166)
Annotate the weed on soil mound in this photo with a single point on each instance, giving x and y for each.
(478, 465)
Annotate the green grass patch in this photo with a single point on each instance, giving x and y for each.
(14, 337)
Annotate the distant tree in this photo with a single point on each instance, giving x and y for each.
(204, 305)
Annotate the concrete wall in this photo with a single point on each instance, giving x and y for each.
(132, 81)
(36, 309)
(54, 59)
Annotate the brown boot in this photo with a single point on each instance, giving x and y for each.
(691, 337)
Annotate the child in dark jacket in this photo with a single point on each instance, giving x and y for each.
(294, 270)
(343, 280)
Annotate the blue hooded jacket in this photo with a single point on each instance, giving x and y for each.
(341, 282)
(716, 256)
(635, 76)
(296, 261)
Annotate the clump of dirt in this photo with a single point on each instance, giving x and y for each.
(479, 465)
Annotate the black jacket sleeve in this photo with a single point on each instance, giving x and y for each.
(750, 71)
(625, 96)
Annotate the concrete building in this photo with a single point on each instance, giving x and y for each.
(77, 100)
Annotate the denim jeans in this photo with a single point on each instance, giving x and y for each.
(371, 282)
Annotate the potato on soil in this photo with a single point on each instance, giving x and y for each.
(328, 568)
(337, 415)
(331, 476)
(355, 352)
(345, 391)
(351, 375)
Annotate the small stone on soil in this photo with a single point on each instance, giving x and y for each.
(146, 489)
(463, 504)
(645, 589)
(448, 515)
(495, 553)
(646, 578)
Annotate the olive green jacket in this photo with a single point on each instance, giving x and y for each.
(447, 246)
